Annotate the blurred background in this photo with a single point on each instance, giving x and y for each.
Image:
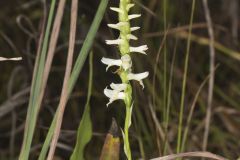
(164, 28)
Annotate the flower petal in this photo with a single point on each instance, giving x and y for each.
(119, 87)
(134, 28)
(115, 42)
(118, 25)
(116, 9)
(140, 49)
(132, 16)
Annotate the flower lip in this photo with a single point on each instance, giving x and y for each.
(140, 49)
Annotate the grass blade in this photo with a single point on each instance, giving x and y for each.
(184, 82)
(35, 90)
(64, 96)
(77, 68)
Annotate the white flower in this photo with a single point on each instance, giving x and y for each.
(10, 59)
(134, 28)
(111, 62)
(140, 49)
(132, 16)
(124, 62)
(116, 9)
(138, 77)
(118, 25)
(116, 41)
(118, 87)
(116, 93)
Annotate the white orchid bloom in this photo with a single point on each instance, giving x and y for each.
(111, 62)
(118, 25)
(134, 28)
(124, 62)
(116, 9)
(132, 16)
(118, 87)
(140, 49)
(11, 59)
(138, 77)
(114, 42)
(115, 94)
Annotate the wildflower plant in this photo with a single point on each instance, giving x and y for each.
(123, 90)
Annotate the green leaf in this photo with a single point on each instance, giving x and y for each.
(84, 133)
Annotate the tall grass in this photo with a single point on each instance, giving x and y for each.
(184, 82)
(35, 102)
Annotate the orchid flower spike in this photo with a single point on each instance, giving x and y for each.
(123, 91)
(138, 77)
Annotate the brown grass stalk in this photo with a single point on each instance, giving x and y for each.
(212, 75)
(64, 94)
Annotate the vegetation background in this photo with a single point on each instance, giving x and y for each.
(164, 28)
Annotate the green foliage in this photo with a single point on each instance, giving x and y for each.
(84, 133)
(77, 68)
(34, 103)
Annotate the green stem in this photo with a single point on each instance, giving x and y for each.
(126, 138)
(124, 48)
(179, 139)
(128, 104)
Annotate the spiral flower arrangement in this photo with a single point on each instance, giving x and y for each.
(123, 91)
